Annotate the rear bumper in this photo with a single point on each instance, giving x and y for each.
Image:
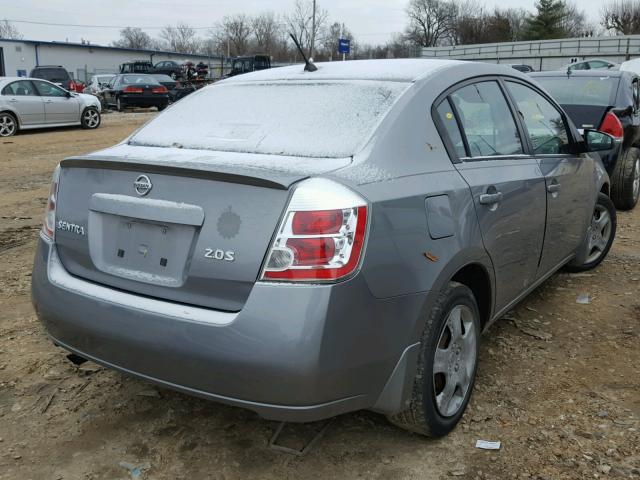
(144, 100)
(294, 353)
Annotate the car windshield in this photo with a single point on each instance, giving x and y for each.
(52, 74)
(139, 79)
(320, 119)
(592, 90)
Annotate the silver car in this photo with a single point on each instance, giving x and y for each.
(325, 241)
(27, 103)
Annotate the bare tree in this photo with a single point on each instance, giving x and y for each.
(232, 34)
(517, 19)
(181, 38)
(133, 37)
(301, 25)
(622, 16)
(266, 32)
(9, 31)
(431, 22)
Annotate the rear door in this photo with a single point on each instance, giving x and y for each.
(25, 101)
(59, 107)
(568, 177)
(506, 183)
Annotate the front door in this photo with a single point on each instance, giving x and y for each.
(59, 106)
(507, 186)
(25, 101)
(568, 177)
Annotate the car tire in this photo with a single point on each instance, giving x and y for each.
(600, 235)
(162, 107)
(625, 188)
(8, 124)
(90, 118)
(119, 106)
(444, 376)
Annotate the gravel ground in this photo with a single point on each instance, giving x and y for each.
(558, 382)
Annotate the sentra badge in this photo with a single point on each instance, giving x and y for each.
(71, 227)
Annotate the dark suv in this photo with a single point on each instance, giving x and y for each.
(138, 66)
(57, 74)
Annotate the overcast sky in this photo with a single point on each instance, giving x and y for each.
(371, 21)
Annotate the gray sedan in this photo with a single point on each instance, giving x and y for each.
(27, 103)
(328, 241)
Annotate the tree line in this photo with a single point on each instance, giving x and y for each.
(429, 23)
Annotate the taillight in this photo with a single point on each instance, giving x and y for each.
(133, 90)
(49, 223)
(321, 236)
(159, 89)
(611, 124)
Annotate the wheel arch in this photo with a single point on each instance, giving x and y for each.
(14, 115)
(476, 277)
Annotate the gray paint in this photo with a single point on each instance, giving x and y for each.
(308, 351)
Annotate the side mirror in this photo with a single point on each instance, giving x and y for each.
(596, 141)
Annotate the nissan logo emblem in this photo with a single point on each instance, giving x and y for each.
(142, 185)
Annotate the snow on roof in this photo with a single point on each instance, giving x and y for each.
(399, 70)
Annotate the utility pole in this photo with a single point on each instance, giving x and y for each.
(313, 30)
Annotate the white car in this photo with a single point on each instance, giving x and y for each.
(98, 83)
(27, 103)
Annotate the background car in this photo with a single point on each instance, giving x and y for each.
(27, 103)
(58, 75)
(593, 64)
(522, 67)
(97, 83)
(137, 66)
(283, 241)
(135, 90)
(240, 65)
(168, 67)
(608, 101)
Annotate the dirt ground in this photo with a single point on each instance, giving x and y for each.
(558, 382)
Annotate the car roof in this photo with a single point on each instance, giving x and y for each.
(399, 70)
(13, 79)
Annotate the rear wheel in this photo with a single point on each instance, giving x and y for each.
(119, 105)
(90, 118)
(161, 107)
(625, 188)
(447, 364)
(8, 124)
(600, 235)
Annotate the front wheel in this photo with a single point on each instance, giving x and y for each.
(8, 125)
(625, 188)
(447, 364)
(90, 118)
(119, 106)
(601, 232)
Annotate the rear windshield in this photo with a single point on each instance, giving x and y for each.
(599, 91)
(139, 79)
(58, 75)
(320, 119)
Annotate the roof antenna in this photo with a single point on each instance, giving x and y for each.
(308, 66)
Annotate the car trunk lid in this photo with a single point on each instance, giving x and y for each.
(149, 221)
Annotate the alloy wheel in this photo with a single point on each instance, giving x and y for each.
(7, 126)
(91, 118)
(599, 233)
(455, 360)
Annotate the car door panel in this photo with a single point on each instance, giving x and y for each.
(23, 99)
(568, 177)
(59, 107)
(512, 227)
(506, 183)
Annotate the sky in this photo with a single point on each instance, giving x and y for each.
(371, 21)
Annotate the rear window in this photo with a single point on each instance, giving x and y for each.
(600, 91)
(56, 75)
(138, 79)
(323, 119)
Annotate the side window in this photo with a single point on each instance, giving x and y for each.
(20, 88)
(47, 89)
(486, 120)
(545, 125)
(448, 119)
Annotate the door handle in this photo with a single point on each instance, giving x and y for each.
(13, 100)
(553, 188)
(48, 101)
(490, 198)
